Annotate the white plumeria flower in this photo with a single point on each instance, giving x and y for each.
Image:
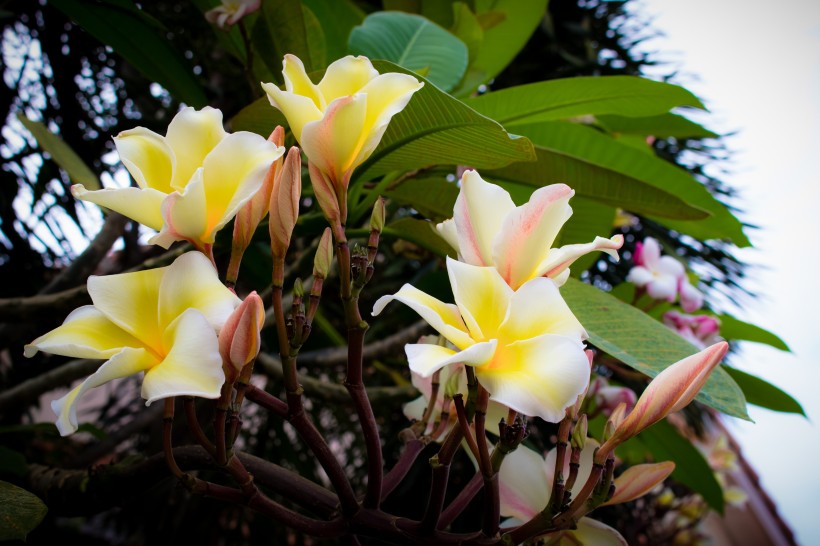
(163, 322)
(659, 275)
(526, 345)
(229, 12)
(192, 181)
(487, 229)
(525, 483)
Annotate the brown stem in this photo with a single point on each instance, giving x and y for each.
(406, 460)
(167, 444)
(193, 424)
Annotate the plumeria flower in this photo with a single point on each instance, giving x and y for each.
(229, 12)
(525, 483)
(192, 181)
(699, 330)
(526, 345)
(663, 277)
(339, 121)
(487, 229)
(163, 322)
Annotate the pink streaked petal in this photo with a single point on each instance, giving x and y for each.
(447, 231)
(481, 295)
(192, 366)
(479, 213)
(184, 215)
(523, 484)
(127, 362)
(638, 480)
(445, 318)
(649, 253)
(537, 308)
(560, 259)
(427, 359)
(333, 143)
(528, 232)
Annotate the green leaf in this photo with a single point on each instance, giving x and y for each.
(281, 29)
(433, 196)
(20, 512)
(734, 329)
(135, 36)
(62, 154)
(661, 126)
(564, 98)
(467, 28)
(437, 129)
(337, 18)
(230, 38)
(315, 39)
(420, 232)
(413, 42)
(691, 468)
(258, 117)
(599, 167)
(645, 344)
(508, 25)
(762, 393)
(12, 462)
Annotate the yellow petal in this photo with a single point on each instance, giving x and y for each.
(425, 359)
(85, 333)
(333, 143)
(127, 362)
(346, 76)
(147, 157)
(479, 213)
(297, 81)
(192, 282)
(299, 110)
(537, 308)
(191, 136)
(130, 300)
(482, 297)
(538, 377)
(184, 215)
(141, 205)
(192, 366)
(441, 316)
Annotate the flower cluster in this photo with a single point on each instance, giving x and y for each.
(663, 277)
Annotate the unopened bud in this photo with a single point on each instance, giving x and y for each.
(284, 203)
(298, 288)
(239, 338)
(579, 433)
(377, 218)
(325, 194)
(324, 255)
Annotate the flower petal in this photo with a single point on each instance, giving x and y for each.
(346, 76)
(481, 295)
(130, 300)
(298, 110)
(127, 362)
(560, 259)
(148, 158)
(591, 532)
(448, 232)
(425, 359)
(333, 143)
(192, 135)
(479, 213)
(298, 82)
(523, 485)
(636, 481)
(192, 367)
(640, 276)
(183, 214)
(538, 377)
(141, 205)
(444, 317)
(85, 333)
(528, 232)
(192, 282)
(537, 308)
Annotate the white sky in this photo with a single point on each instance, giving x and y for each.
(758, 70)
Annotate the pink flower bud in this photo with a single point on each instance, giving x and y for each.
(239, 338)
(325, 193)
(284, 203)
(639, 480)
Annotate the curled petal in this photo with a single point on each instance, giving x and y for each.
(141, 205)
(447, 230)
(192, 367)
(425, 359)
(638, 480)
(297, 82)
(148, 158)
(560, 259)
(528, 232)
(85, 333)
(126, 362)
(538, 377)
(479, 213)
(445, 318)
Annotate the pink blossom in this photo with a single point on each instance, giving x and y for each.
(699, 330)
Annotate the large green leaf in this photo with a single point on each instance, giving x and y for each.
(734, 329)
(62, 154)
(337, 18)
(640, 341)
(602, 168)
(661, 126)
(564, 98)
(20, 512)
(433, 196)
(691, 468)
(420, 232)
(413, 42)
(135, 36)
(508, 25)
(762, 393)
(282, 29)
(258, 117)
(437, 129)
